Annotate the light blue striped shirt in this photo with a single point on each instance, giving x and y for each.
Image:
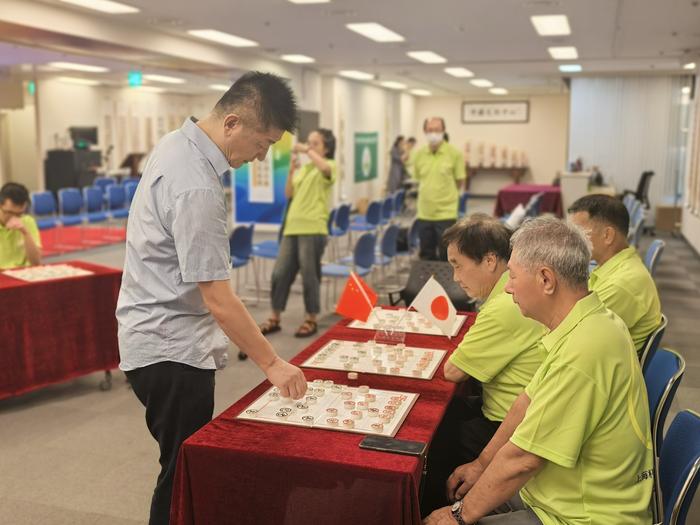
(176, 237)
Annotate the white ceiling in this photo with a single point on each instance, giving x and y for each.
(492, 38)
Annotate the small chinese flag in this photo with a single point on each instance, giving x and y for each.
(357, 299)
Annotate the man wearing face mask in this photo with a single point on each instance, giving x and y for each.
(439, 169)
(176, 301)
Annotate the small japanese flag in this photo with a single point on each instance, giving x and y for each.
(434, 304)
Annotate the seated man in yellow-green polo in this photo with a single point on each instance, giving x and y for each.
(501, 351)
(20, 244)
(621, 280)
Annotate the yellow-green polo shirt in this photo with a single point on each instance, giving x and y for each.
(589, 418)
(501, 350)
(12, 252)
(627, 288)
(308, 213)
(437, 174)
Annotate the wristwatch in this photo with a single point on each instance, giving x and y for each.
(457, 512)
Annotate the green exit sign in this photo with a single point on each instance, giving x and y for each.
(31, 87)
(135, 78)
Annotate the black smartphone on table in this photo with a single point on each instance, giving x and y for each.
(397, 446)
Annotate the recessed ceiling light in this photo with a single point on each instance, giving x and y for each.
(427, 57)
(298, 59)
(78, 67)
(376, 32)
(392, 85)
(685, 90)
(551, 25)
(689, 65)
(356, 75)
(222, 38)
(570, 68)
(150, 89)
(420, 92)
(459, 72)
(563, 53)
(164, 78)
(77, 80)
(219, 87)
(481, 82)
(105, 6)
(309, 1)
(498, 91)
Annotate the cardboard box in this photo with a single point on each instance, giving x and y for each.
(667, 217)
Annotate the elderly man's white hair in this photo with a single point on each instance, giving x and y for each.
(551, 242)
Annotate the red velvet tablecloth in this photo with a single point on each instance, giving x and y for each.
(246, 472)
(52, 331)
(510, 196)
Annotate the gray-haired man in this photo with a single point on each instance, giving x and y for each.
(176, 301)
(575, 447)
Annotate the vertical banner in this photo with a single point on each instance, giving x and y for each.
(366, 156)
(259, 186)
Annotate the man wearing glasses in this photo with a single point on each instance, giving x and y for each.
(20, 244)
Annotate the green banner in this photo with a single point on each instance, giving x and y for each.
(366, 156)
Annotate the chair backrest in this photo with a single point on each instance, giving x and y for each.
(652, 343)
(116, 197)
(43, 203)
(387, 208)
(331, 218)
(127, 180)
(663, 375)
(651, 259)
(364, 250)
(130, 189)
(462, 207)
(104, 182)
(642, 193)
(679, 467)
(93, 198)
(399, 197)
(389, 239)
(636, 223)
(241, 241)
(70, 201)
(374, 213)
(342, 217)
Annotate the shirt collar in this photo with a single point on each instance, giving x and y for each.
(498, 287)
(582, 309)
(612, 264)
(204, 144)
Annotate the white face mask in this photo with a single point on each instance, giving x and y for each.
(434, 138)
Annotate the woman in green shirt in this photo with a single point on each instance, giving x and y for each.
(305, 230)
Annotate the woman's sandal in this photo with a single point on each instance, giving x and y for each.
(307, 329)
(270, 326)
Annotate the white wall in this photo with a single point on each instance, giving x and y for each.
(348, 107)
(690, 222)
(543, 138)
(18, 144)
(627, 125)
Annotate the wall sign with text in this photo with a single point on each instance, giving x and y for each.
(495, 112)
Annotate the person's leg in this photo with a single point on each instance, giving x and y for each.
(179, 400)
(512, 512)
(284, 273)
(311, 249)
(440, 227)
(428, 240)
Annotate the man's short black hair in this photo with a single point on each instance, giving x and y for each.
(479, 235)
(328, 141)
(267, 96)
(604, 208)
(17, 193)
